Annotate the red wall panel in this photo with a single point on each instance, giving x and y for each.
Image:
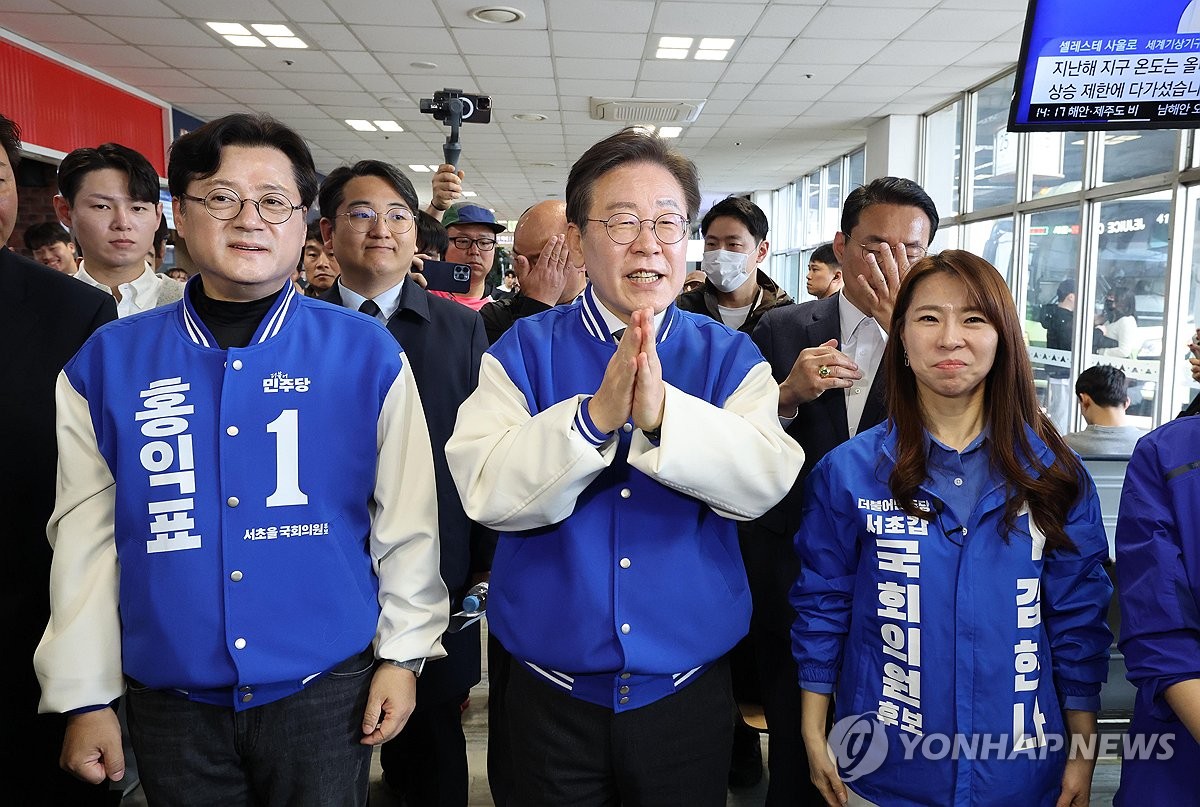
(60, 108)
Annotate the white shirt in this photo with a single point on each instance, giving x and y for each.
(138, 295)
(863, 341)
(614, 324)
(388, 301)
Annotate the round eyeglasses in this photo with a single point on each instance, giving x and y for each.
(877, 249)
(225, 205)
(362, 219)
(624, 228)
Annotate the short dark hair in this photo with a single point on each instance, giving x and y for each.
(742, 209)
(143, 179)
(45, 233)
(630, 145)
(1065, 288)
(333, 188)
(1106, 385)
(432, 238)
(888, 191)
(10, 140)
(313, 233)
(510, 272)
(197, 154)
(825, 254)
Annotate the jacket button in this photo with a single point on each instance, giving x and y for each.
(625, 564)
(627, 428)
(232, 431)
(235, 576)
(625, 628)
(232, 501)
(237, 364)
(626, 493)
(247, 698)
(240, 644)
(624, 701)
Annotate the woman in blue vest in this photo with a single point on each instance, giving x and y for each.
(952, 594)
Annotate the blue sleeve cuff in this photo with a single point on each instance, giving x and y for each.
(1081, 703)
(819, 687)
(586, 428)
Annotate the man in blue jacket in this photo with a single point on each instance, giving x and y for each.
(245, 532)
(617, 583)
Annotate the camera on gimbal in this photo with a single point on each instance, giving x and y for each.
(473, 109)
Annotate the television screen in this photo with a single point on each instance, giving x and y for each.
(1108, 64)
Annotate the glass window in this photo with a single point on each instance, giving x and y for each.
(994, 163)
(945, 238)
(833, 197)
(1056, 162)
(1129, 155)
(1185, 388)
(1052, 244)
(812, 212)
(857, 175)
(943, 158)
(1131, 282)
(993, 241)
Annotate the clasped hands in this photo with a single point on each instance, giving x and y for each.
(632, 386)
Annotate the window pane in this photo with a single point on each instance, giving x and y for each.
(833, 195)
(943, 158)
(1185, 388)
(1129, 155)
(858, 170)
(1131, 282)
(992, 240)
(812, 215)
(1056, 162)
(994, 168)
(1052, 238)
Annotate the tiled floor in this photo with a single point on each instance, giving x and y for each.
(1104, 785)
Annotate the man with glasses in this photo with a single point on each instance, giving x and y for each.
(617, 584)
(472, 230)
(368, 220)
(825, 355)
(108, 199)
(245, 536)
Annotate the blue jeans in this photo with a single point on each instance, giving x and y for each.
(300, 751)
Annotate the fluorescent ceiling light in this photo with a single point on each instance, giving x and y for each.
(710, 55)
(246, 41)
(434, 168)
(708, 43)
(388, 126)
(287, 42)
(420, 169)
(283, 30)
(671, 53)
(469, 194)
(225, 28)
(360, 125)
(675, 42)
(670, 131)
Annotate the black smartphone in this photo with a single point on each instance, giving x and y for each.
(446, 276)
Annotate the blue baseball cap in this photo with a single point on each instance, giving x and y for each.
(472, 214)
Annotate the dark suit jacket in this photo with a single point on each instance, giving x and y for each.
(821, 424)
(444, 342)
(45, 316)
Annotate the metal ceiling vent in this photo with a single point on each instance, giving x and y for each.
(645, 110)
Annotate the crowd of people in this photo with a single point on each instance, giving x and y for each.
(266, 490)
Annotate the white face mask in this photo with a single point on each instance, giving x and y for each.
(727, 270)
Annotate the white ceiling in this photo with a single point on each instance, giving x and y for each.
(803, 82)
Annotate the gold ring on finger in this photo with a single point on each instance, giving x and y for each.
(823, 371)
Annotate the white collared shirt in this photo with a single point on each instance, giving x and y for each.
(614, 324)
(863, 341)
(387, 301)
(140, 294)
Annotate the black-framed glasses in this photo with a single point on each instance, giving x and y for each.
(624, 228)
(914, 253)
(362, 219)
(464, 243)
(225, 205)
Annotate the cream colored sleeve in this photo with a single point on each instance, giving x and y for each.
(78, 660)
(404, 531)
(515, 471)
(735, 458)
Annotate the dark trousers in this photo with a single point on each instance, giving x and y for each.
(301, 751)
(499, 755)
(672, 752)
(426, 763)
(772, 568)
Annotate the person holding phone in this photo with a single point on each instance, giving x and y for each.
(472, 230)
